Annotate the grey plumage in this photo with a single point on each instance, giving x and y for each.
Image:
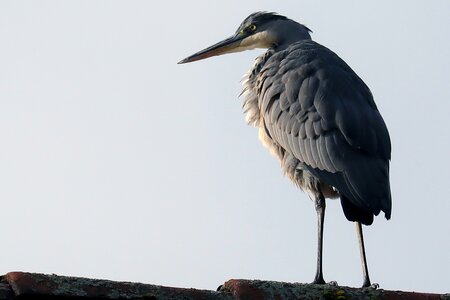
(317, 117)
(312, 105)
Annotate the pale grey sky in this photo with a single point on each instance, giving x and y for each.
(118, 163)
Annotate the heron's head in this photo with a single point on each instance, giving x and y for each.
(259, 30)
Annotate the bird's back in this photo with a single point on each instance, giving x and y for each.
(319, 118)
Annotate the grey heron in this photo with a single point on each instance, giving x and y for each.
(317, 117)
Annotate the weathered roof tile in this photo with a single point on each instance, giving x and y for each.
(20, 285)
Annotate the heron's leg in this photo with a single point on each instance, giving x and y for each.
(320, 209)
(363, 255)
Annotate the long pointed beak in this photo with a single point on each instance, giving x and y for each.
(228, 45)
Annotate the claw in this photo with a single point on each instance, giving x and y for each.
(374, 286)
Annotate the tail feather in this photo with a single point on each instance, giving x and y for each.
(354, 213)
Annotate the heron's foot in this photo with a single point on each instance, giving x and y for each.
(374, 286)
(318, 280)
(333, 283)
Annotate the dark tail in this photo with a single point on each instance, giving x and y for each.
(354, 213)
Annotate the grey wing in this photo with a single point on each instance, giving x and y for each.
(318, 110)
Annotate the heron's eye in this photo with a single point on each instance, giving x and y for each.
(252, 27)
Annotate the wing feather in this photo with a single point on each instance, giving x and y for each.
(318, 110)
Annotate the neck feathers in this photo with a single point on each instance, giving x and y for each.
(250, 89)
